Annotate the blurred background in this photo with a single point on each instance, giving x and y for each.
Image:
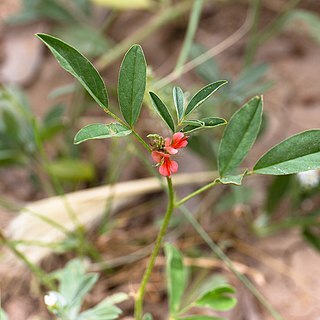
(269, 226)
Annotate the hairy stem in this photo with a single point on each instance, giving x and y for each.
(138, 308)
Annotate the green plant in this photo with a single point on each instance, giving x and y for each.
(295, 154)
(74, 284)
(292, 191)
(3, 315)
(212, 293)
(24, 137)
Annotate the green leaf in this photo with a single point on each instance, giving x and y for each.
(191, 125)
(176, 277)
(232, 179)
(3, 315)
(192, 122)
(203, 94)
(205, 123)
(211, 122)
(74, 284)
(298, 153)
(104, 310)
(117, 298)
(101, 131)
(72, 169)
(162, 110)
(132, 84)
(201, 317)
(178, 99)
(79, 66)
(219, 298)
(147, 316)
(239, 136)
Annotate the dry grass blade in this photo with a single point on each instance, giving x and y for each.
(87, 205)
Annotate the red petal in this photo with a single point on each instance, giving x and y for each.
(164, 169)
(171, 150)
(177, 136)
(167, 142)
(173, 166)
(179, 140)
(156, 156)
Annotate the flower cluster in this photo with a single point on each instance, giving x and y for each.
(163, 149)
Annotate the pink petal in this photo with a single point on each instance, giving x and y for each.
(167, 142)
(183, 143)
(164, 169)
(156, 156)
(173, 166)
(179, 140)
(171, 150)
(177, 136)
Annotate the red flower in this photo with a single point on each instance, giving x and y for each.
(166, 165)
(178, 141)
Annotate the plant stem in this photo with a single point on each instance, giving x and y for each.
(138, 308)
(141, 140)
(192, 28)
(114, 116)
(198, 191)
(165, 16)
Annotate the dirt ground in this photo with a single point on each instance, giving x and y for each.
(286, 269)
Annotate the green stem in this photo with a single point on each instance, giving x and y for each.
(216, 249)
(142, 141)
(197, 192)
(114, 116)
(165, 16)
(138, 310)
(206, 187)
(192, 28)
